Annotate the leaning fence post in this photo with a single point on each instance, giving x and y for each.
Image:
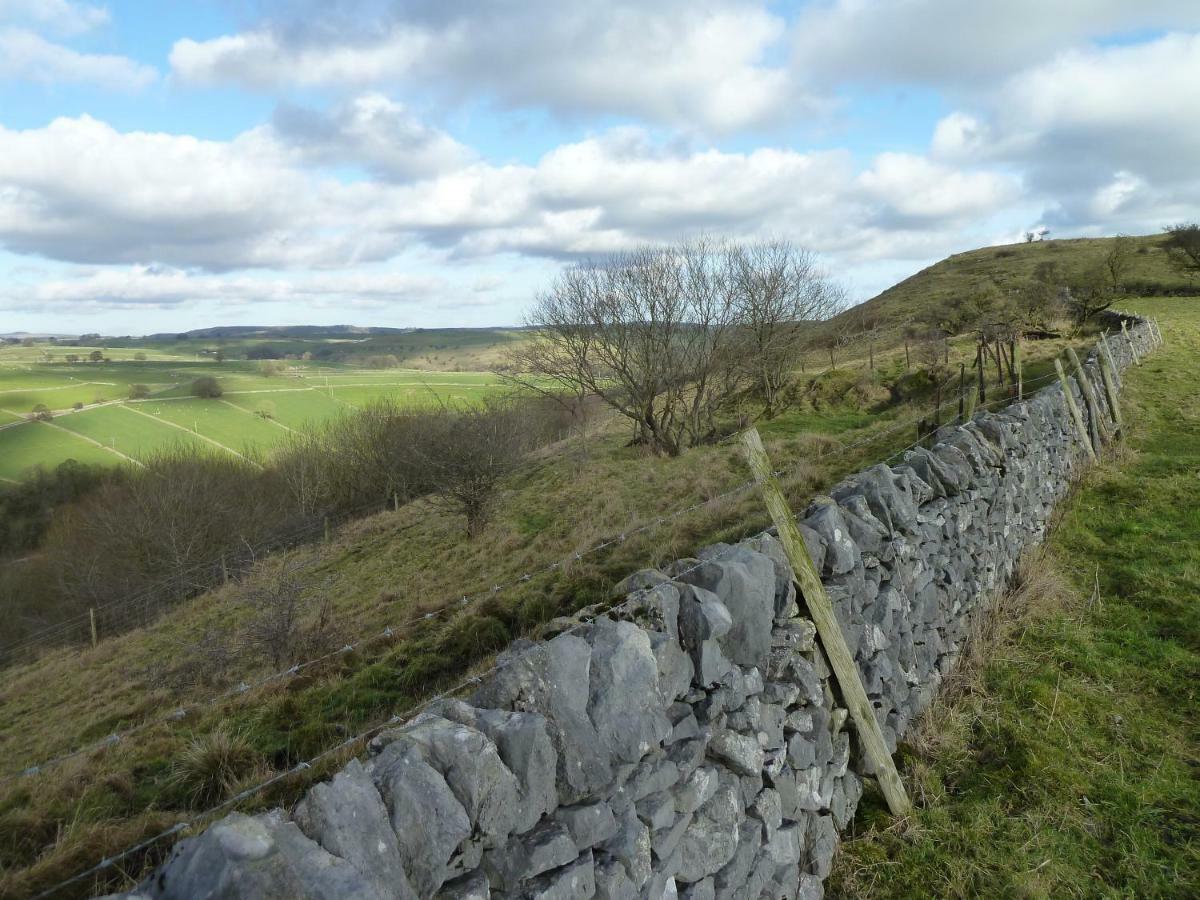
(1112, 362)
(830, 632)
(95, 636)
(1075, 417)
(1099, 426)
(1110, 389)
(1132, 349)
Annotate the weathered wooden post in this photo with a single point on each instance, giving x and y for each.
(821, 608)
(1100, 433)
(1074, 410)
(1110, 389)
(962, 391)
(95, 634)
(979, 367)
(1137, 360)
(1108, 354)
(1016, 353)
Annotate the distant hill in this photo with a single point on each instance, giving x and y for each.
(1151, 274)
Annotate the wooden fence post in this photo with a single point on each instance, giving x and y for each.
(1112, 362)
(1110, 389)
(830, 632)
(1016, 349)
(1099, 426)
(95, 635)
(962, 391)
(1074, 410)
(1137, 360)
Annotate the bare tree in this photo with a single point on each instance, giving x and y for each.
(287, 620)
(780, 294)
(651, 332)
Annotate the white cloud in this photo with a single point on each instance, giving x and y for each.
(60, 16)
(80, 191)
(1107, 136)
(28, 56)
(952, 43)
(370, 131)
(674, 61)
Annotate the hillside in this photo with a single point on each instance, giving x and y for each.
(963, 274)
(578, 516)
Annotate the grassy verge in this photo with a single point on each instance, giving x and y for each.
(1066, 763)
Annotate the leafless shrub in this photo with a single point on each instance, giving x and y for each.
(291, 617)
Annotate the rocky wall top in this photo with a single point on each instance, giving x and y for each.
(689, 742)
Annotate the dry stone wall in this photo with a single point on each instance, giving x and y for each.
(690, 742)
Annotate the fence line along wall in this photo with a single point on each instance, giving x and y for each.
(690, 741)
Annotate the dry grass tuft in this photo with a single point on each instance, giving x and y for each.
(212, 765)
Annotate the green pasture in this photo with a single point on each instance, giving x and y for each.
(299, 409)
(36, 443)
(232, 427)
(118, 427)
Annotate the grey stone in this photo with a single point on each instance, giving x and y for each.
(524, 744)
(768, 809)
(785, 845)
(631, 847)
(416, 792)
(472, 767)
(675, 668)
(745, 583)
(741, 753)
(697, 789)
(472, 886)
(348, 818)
(624, 704)
(612, 881)
(258, 857)
(546, 847)
(588, 824)
(664, 842)
(841, 553)
(734, 873)
(656, 810)
(703, 889)
(574, 881)
(554, 679)
(822, 845)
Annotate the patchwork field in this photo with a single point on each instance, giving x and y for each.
(89, 402)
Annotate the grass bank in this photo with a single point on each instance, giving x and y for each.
(1067, 763)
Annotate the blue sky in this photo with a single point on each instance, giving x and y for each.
(435, 162)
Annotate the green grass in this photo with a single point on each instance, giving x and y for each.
(295, 399)
(131, 434)
(36, 443)
(1070, 766)
(962, 274)
(232, 427)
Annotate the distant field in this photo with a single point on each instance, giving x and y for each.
(254, 415)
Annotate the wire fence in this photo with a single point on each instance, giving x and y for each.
(459, 602)
(197, 820)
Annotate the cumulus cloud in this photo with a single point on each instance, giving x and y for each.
(59, 16)
(28, 56)
(80, 191)
(675, 61)
(1107, 136)
(372, 131)
(953, 44)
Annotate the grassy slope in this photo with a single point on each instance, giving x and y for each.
(383, 571)
(1070, 766)
(1007, 266)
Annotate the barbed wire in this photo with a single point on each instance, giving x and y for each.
(109, 861)
(459, 602)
